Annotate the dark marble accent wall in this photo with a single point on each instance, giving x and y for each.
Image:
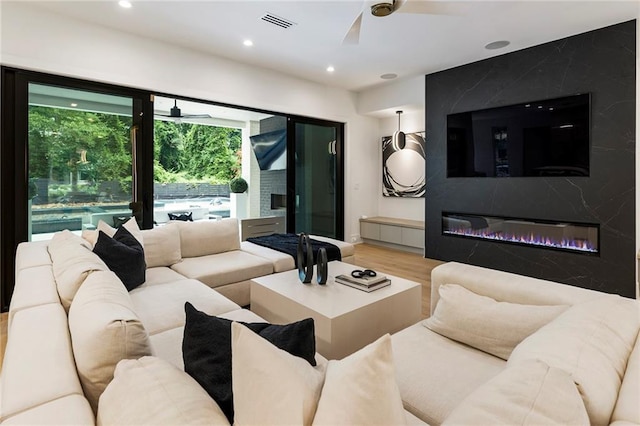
(601, 62)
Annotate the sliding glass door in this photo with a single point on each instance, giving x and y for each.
(316, 178)
(69, 155)
(80, 150)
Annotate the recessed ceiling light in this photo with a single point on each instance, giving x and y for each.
(330, 69)
(497, 44)
(73, 104)
(124, 3)
(248, 43)
(388, 76)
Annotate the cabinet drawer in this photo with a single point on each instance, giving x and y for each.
(413, 237)
(370, 230)
(391, 234)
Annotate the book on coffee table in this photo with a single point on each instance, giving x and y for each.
(373, 283)
(364, 280)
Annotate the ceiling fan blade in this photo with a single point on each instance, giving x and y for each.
(427, 7)
(196, 116)
(183, 116)
(353, 35)
(398, 4)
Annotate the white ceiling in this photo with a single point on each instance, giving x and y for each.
(402, 43)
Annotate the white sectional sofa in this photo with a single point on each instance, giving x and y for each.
(583, 350)
(211, 252)
(71, 322)
(71, 319)
(47, 348)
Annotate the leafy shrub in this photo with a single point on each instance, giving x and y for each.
(238, 185)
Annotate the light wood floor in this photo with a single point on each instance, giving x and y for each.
(402, 264)
(393, 262)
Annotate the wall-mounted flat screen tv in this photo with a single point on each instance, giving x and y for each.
(537, 138)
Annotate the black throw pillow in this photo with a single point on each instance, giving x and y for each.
(206, 350)
(123, 254)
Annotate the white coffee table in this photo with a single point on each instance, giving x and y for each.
(346, 319)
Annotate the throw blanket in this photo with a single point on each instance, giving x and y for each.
(288, 243)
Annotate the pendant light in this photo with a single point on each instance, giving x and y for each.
(398, 140)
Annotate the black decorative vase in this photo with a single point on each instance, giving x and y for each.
(305, 258)
(322, 267)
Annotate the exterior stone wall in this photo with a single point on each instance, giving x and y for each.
(189, 190)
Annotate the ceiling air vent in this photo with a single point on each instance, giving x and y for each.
(276, 20)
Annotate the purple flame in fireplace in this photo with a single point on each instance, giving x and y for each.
(571, 236)
(530, 239)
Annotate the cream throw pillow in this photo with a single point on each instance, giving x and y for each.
(484, 323)
(209, 237)
(131, 225)
(162, 245)
(104, 330)
(592, 342)
(150, 391)
(72, 261)
(529, 393)
(627, 407)
(270, 386)
(361, 389)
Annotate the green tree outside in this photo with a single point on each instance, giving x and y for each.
(187, 152)
(67, 144)
(69, 147)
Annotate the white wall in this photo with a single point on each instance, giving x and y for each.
(33, 39)
(406, 95)
(361, 189)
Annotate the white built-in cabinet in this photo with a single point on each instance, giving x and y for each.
(398, 233)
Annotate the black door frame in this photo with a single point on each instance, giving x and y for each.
(14, 157)
(292, 120)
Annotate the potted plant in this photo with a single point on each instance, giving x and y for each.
(239, 197)
(238, 185)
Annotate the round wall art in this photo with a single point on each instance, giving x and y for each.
(403, 168)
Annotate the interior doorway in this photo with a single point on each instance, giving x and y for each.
(316, 178)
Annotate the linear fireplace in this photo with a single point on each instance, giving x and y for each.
(559, 235)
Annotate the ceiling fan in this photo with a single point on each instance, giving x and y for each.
(382, 8)
(175, 112)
